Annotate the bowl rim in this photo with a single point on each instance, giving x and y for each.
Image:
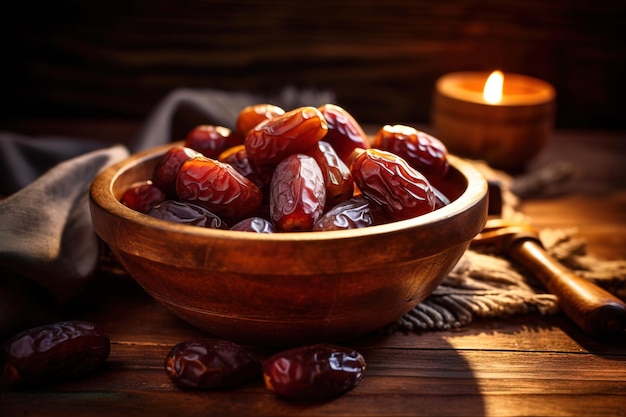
(101, 193)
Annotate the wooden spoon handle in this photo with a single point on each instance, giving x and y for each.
(593, 309)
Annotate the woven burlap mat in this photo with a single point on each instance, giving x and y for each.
(483, 284)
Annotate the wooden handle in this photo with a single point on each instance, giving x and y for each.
(593, 309)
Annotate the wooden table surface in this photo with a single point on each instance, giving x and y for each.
(525, 365)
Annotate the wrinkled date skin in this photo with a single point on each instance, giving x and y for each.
(337, 175)
(422, 151)
(345, 134)
(211, 364)
(293, 132)
(297, 194)
(211, 140)
(249, 117)
(353, 213)
(313, 373)
(141, 196)
(186, 213)
(256, 225)
(401, 190)
(167, 167)
(218, 187)
(54, 352)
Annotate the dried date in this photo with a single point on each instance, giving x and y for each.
(296, 131)
(337, 175)
(187, 213)
(141, 196)
(297, 194)
(313, 373)
(256, 225)
(211, 140)
(218, 187)
(400, 189)
(249, 117)
(354, 213)
(345, 134)
(54, 352)
(211, 364)
(167, 167)
(422, 151)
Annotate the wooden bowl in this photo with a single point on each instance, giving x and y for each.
(287, 288)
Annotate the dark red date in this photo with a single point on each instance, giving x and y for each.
(167, 167)
(313, 373)
(345, 134)
(256, 225)
(141, 196)
(237, 157)
(211, 140)
(297, 194)
(354, 213)
(211, 364)
(249, 117)
(337, 175)
(422, 151)
(276, 138)
(186, 213)
(54, 352)
(400, 189)
(218, 187)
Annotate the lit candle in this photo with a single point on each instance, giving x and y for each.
(503, 119)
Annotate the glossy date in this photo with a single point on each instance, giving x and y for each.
(297, 194)
(186, 213)
(401, 190)
(354, 213)
(54, 352)
(211, 140)
(218, 187)
(167, 167)
(210, 364)
(141, 196)
(296, 131)
(422, 151)
(344, 134)
(313, 373)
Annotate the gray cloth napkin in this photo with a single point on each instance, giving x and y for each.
(48, 249)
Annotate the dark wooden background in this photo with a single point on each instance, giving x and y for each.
(116, 59)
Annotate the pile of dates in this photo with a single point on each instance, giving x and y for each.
(316, 372)
(308, 169)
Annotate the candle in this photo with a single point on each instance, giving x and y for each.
(503, 119)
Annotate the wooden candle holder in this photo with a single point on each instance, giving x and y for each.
(506, 135)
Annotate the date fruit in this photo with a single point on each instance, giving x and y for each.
(256, 225)
(186, 213)
(211, 364)
(337, 175)
(54, 352)
(400, 189)
(353, 213)
(218, 187)
(296, 131)
(297, 194)
(422, 151)
(313, 373)
(141, 196)
(249, 117)
(167, 167)
(211, 140)
(344, 134)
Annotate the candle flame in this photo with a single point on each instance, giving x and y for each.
(492, 92)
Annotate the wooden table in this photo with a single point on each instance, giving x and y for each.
(525, 365)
